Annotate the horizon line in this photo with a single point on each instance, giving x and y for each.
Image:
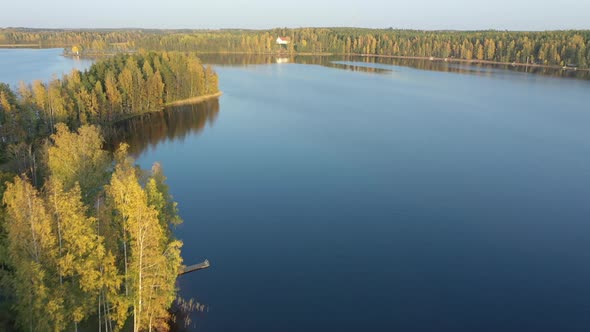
(291, 28)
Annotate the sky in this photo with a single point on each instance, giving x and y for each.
(264, 14)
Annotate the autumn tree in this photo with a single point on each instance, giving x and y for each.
(32, 251)
(159, 197)
(81, 256)
(78, 157)
(152, 258)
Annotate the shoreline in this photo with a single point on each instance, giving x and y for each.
(194, 100)
(187, 101)
(32, 46)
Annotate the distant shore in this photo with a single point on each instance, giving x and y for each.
(282, 53)
(474, 62)
(407, 57)
(20, 46)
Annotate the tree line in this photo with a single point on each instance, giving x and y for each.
(99, 39)
(558, 48)
(548, 47)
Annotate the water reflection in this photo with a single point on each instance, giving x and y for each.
(354, 63)
(173, 123)
(465, 68)
(242, 60)
(357, 68)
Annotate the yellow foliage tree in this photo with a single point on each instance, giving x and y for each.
(152, 258)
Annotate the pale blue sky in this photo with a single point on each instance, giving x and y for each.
(260, 14)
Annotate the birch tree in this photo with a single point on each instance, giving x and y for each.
(152, 259)
(78, 157)
(32, 249)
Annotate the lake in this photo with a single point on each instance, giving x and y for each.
(403, 199)
(28, 65)
(353, 195)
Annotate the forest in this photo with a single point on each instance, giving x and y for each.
(555, 48)
(85, 234)
(93, 242)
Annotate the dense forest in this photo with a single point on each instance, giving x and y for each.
(557, 48)
(85, 235)
(93, 243)
(105, 40)
(551, 48)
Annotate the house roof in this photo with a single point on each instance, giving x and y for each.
(285, 38)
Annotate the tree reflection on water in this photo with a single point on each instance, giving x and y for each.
(172, 123)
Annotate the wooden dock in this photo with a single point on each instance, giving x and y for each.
(195, 267)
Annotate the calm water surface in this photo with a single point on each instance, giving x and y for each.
(28, 65)
(393, 199)
(359, 196)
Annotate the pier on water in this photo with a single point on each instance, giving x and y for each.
(191, 268)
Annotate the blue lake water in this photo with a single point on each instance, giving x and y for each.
(408, 200)
(337, 198)
(28, 65)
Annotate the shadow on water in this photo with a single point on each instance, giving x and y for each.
(243, 60)
(366, 64)
(466, 68)
(172, 123)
